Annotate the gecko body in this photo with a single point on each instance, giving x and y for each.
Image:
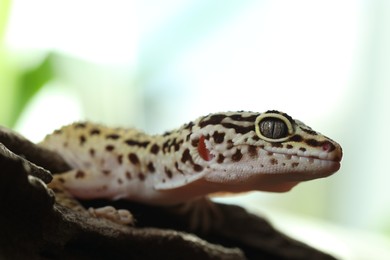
(223, 152)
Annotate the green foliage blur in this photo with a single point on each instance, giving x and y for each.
(17, 86)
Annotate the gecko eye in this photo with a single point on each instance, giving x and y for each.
(273, 127)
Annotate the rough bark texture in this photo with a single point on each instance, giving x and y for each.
(33, 226)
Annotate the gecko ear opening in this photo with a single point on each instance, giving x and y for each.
(203, 151)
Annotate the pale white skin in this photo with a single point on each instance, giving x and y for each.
(224, 152)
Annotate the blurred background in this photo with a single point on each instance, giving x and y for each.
(158, 64)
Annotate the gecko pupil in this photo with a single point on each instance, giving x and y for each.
(273, 128)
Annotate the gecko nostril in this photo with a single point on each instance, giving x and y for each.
(328, 146)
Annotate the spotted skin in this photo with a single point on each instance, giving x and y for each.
(223, 152)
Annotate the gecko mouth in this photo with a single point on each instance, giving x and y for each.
(324, 164)
(309, 159)
(334, 156)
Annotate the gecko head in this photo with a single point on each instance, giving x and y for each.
(251, 151)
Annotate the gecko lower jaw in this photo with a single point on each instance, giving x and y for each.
(309, 166)
(323, 156)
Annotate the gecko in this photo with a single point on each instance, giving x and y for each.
(230, 152)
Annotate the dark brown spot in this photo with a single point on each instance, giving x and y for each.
(309, 131)
(80, 125)
(120, 158)
(295, 164)
(79, 175)
(313, 142)
(177, 168)
(189, 126)
(195, 142)
(238, 128)
(106, 172)
(289, 146)
(270, 153)
(277, 145)
(212, 120)
(110, 148)
(178, 144)
(174, 144)
(252, 150)
(168, 172)
(82, 139)
(120, 181)
(198, 168)
(137, 143)
(113, 136)
(218, 137)
(186, 156)
(92, 152)
(255, 138)
(58, 131)
(141, 176)
(303, 149)
(220, 158)
(273, 161)
(167, 133)
(133, 158)
(94, 131)
(241, 118)
(229, 144)
(65, 144)
(154, 149)
(217, 119)
(296, 138)
(165, 146)
(237, 155)
(151, 167)
(128, 175)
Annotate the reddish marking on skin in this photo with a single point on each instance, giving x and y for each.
(203, 151)
(326, 147)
